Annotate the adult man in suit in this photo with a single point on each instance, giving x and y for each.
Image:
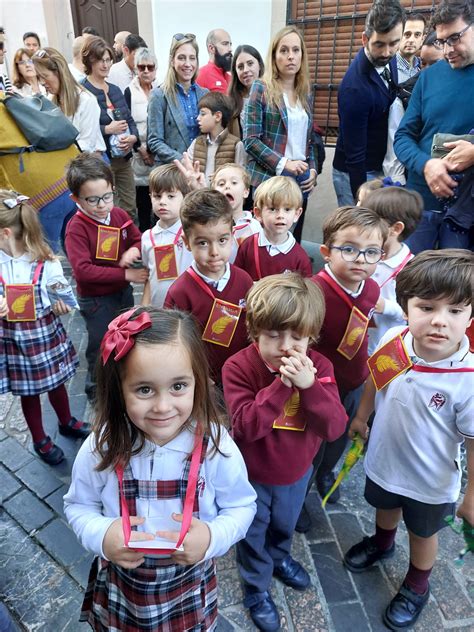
(441, 102)
(364, 99)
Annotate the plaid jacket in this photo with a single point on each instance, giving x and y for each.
(265, 134)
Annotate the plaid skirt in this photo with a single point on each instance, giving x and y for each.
(36, 356)
(157, 596)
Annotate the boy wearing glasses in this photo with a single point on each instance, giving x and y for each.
(102, 244)
(353, 239)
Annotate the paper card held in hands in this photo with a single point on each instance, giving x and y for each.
(153, 524)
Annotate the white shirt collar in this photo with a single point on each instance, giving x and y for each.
(274, 249)
(174, 228)
(221, 283)
(353, 294)
(396, 260)
(6, 258)
(457, 357)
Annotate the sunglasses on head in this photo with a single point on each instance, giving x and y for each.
(40, 53)
(143, 67)
(180, 36)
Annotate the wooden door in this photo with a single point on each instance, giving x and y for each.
(107, 16)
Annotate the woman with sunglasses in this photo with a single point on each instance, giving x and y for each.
(173, 109)
(137, 96)
(116, 121)
(24, 77)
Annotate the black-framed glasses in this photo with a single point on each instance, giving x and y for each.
(93, 200)
(350, 253)
(181, 36)
(143, 67)
(452, 40)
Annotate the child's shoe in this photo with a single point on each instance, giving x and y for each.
(48, 451)
(263, 611)
(363, 555)
(405, 608)
(75, 428)
(292, 574)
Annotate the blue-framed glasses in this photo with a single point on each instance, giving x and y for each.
(350, 253)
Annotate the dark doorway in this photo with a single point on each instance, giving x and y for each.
(107, 16)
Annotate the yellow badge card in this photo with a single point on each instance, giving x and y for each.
(21, 302)
(388, 362)
(165, 260)
(290, 419)
(221, 324)
(354, 335)
(108, 240)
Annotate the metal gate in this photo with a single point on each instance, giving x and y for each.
(332, 32)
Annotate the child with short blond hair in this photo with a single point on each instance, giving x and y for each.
(278, 205)
(163, 250)
(283, 402)
(212, 289)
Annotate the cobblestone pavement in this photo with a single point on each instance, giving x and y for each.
(43, 569)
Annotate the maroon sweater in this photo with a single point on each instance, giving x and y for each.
(294, 261)
(98, 277)
(187, 295)
(255, 397)
(349, 373)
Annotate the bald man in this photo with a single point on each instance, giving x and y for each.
(77, 67)
(215, 75)
(119, 41)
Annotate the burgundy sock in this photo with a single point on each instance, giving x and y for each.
(31, 407)
(417, 579)
(384, 538)
(60, 402)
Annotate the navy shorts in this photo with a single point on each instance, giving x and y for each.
(422, 519)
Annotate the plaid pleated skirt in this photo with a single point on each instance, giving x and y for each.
(156, 597)
(36, 356)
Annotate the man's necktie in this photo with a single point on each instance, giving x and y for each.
(387, 75)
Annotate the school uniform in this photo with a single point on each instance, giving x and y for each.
(36, 356)
(278, 430)
(416, 455)
(190, 295)
(180, 256)
(260, 258)
(385, 276)
(129, 599)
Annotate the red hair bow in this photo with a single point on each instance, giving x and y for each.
(120, 333)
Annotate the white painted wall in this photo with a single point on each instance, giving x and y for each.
(247, 21)
(17, 17)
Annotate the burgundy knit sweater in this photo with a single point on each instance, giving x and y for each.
(256, 397)
(295, 261)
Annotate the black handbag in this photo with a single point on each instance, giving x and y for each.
(42, 122)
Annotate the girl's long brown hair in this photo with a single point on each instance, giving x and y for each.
(117, 438)
(23, 220)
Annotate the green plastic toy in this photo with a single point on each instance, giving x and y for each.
(468, 532)
(354, 453)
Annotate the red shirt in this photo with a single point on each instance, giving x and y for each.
(98, 277)
(296, 260)
(256, 397)
(213, 78)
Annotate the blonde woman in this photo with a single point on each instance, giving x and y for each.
(278, 122)
(24, 78)
(79, 105)
(173, 108)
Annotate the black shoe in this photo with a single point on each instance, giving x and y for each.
(304, 521)
(52, 455)
(364, 554)
(292, 574)
(324, 482)
(263, 611)
(75, 428)
(405, 608)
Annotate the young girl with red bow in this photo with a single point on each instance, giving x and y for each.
(160, 473)
(36, 355)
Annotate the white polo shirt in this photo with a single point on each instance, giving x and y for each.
(421, 420)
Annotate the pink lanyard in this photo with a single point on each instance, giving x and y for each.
(256, 256)
(188, 501)
(336, 288)
(36, 275)
(202, 284)
(397, 270)
(175, 241)
(84, 217)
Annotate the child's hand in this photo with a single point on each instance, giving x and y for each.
(191, 172)
(360, 426)
(466, 510)
(380, 305)
(195, 543)
(129, 256)
(298, 368)
(136, 275)
(3, 307)
(60, 308)
(115, 549)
